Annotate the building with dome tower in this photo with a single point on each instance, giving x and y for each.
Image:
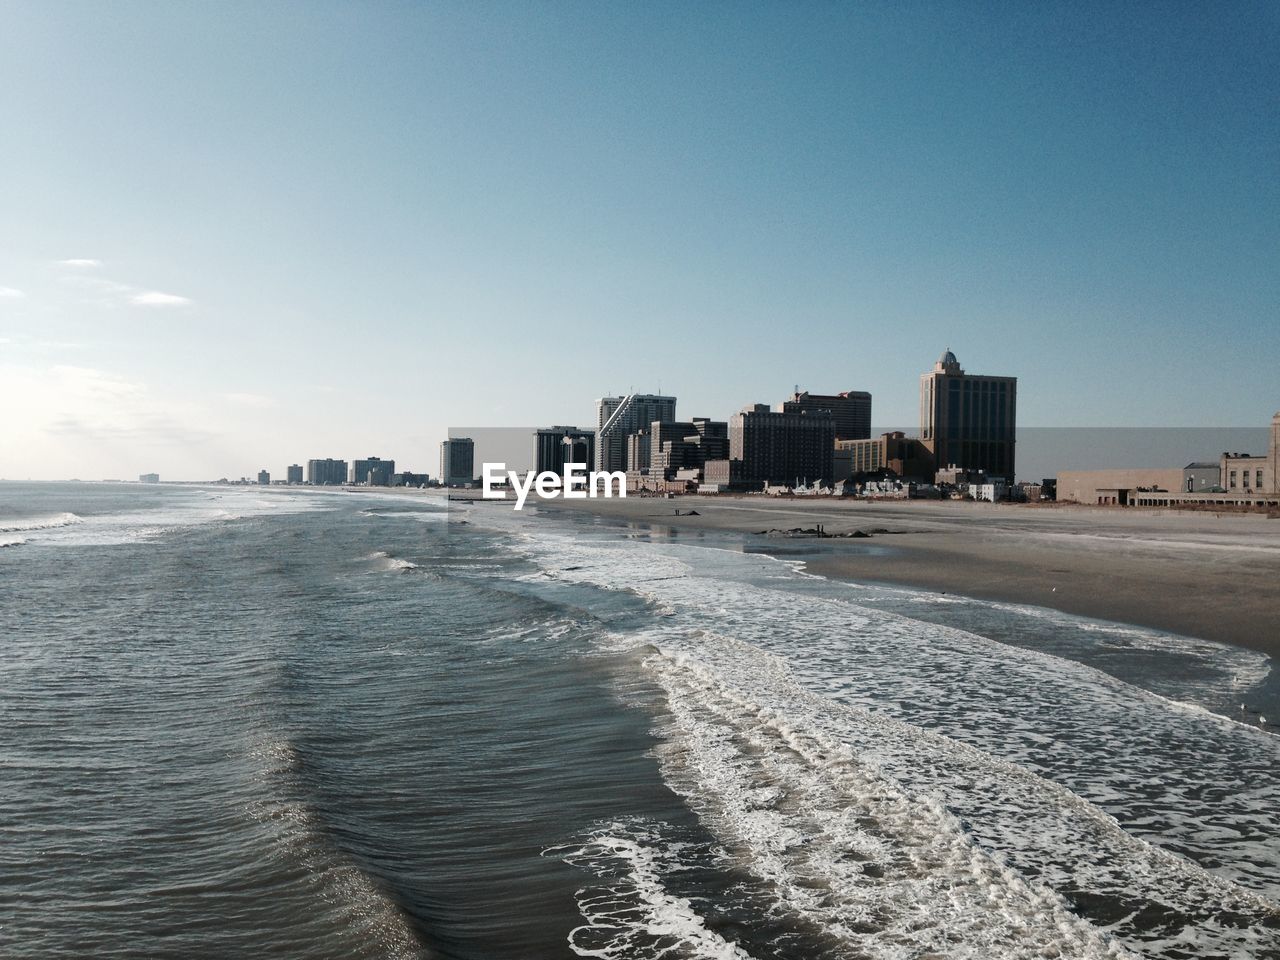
(967, 420)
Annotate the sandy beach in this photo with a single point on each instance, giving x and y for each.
(1213, 576)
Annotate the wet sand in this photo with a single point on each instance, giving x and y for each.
(1212, 576)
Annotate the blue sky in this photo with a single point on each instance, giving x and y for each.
(316, 229)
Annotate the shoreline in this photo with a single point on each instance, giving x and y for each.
(1208, 576)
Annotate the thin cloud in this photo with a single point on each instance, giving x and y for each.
(249, 399)
(11, 293)
(154, 298)
(81, 264)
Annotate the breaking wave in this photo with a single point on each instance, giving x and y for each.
(917, 788)
(40, 523)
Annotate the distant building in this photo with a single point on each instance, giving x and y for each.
(556, 446)
(327, 472)
(1200, 477)
(294, 473)
(1238, 479)
(687, 445)
(639, 451)
(407, 479)
(782, 448)
(969, 420)
(149, 478)
(264, 478)
(905, 456)
(373, 472)
(457, 461)
(993, 491)
(1253, 474)
(619, 417)
(850, 410)
(1116, 487)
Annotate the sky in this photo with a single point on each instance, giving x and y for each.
(242, 235)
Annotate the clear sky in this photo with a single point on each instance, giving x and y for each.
(239, 235)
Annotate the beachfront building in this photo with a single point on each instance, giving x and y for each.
(1201, 476)
(776, 447)
(264, 478)
(663, 450)
(294, 473)
(149, 478)
(688, 445)
(1238, 479)
(1251, 474)
(410, 479)
(905, 456)
(373, 472)
(968, 420)
(553, 447)
(327, 472)
(638, 449)
(457, 462)
(619, 417)
(850, 411)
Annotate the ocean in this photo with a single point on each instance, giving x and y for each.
(243, 722)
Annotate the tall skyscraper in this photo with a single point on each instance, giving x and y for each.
(968, 421)
(373, 472)
(687, 445)
(776, 447)
(327, 472)
(264, 478)
(457, 461)
(619, 417)
(850, 410)
(295, 473)
(553, 447)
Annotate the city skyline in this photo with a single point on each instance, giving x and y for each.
(223, 253)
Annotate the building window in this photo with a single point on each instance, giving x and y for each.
(1232, 484)
(1245, 478)
(1257, 482)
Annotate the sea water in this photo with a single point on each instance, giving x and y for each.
(267, 722)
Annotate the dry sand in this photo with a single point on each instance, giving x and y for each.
(1213, 576)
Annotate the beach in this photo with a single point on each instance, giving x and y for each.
(1205, 575)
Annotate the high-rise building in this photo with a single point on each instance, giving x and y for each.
(686, 445)
(777, 447)
(555, 446)
(639, 449)
(619, 417)
(850, 410)
(457, 461)
(264, 478)
(327, 472)
(968, 421)
(906, 456)
(373, 472)
(295, 473)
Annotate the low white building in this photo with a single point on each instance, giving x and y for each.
(993, 491)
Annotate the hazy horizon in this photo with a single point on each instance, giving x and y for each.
(240, 236)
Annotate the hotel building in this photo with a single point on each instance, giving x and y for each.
(457, 461)
(373, 472)
(967, 420)
(553, 447)
(776, 447)
(327, 472)
(851, 411)
(619, 417)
